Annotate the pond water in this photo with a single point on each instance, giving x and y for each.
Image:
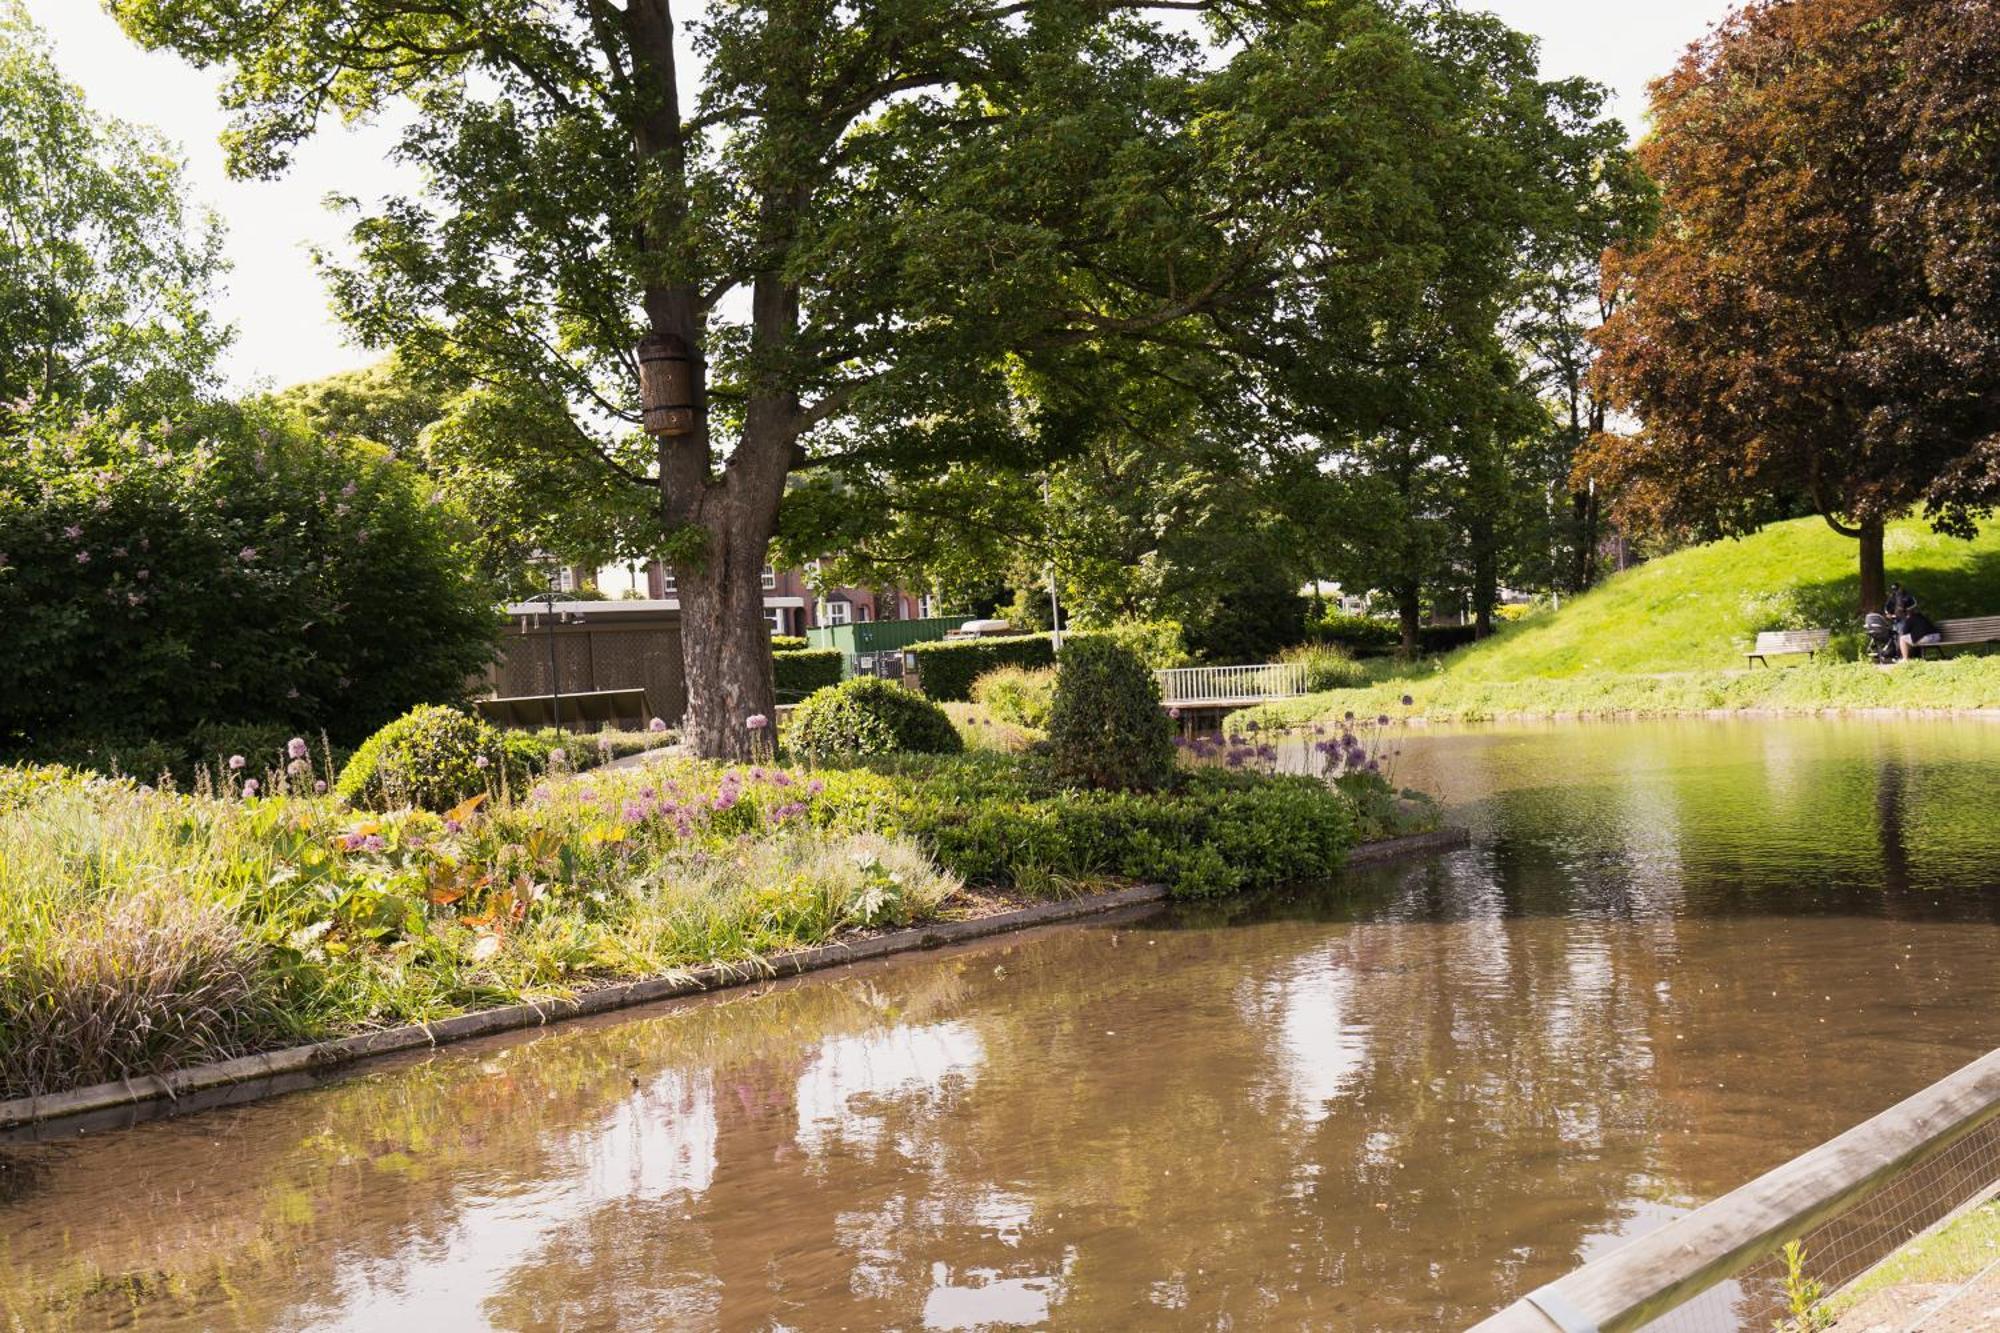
(1676, 955)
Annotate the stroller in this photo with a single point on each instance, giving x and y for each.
(1883, 648)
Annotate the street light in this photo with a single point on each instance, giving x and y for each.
(548, 602)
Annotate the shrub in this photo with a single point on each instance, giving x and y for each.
(797, 674)
(868, 715)
(947, 668)
(1160, 644)
(1363, 636)
(1018, 696)
(1328, 666)
(153, 582)
(788, 643)
(431, 758)
(1106, 726)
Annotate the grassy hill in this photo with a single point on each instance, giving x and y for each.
(1694, 610)
(1668, 637)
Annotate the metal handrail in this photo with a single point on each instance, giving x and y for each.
(1232, 684)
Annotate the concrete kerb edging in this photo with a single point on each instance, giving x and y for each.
(321, 1056)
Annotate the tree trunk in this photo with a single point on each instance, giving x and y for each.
(1874, 575)
(1409, 612)
(726, 650)
(1485, 580)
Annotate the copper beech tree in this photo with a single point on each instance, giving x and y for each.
(1816, 325)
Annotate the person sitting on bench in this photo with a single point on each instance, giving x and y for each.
(1915, 632)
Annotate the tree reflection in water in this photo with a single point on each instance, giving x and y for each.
(1389, 1105)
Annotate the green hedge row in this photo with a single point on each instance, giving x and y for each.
(1367, 636)
(799, 672)
(946, 669)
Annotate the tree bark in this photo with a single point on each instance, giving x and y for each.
(1874, 574)
(1409, 612)
(726, 649)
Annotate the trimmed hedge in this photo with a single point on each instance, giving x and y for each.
(1367, 636)
(799, 672)
(947, 668)
(1106, 727)
(430, 758)
(868, 715)
(788, 643)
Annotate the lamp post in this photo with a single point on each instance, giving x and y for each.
(548, 602)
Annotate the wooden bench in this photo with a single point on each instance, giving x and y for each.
(1782, 642)
(1965, 633)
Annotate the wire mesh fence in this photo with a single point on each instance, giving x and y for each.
(1893, 1226)
(1920, 1249)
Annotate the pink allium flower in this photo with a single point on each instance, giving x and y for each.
(247, 554)
(319, 787)
(559, 756)
(656, 724)
(1174, 713)
(250, 788)
(481, 762)
(73, 532)
(296, 767)
(83, 557)
(296, 747)
(236, 763)
(756, 722)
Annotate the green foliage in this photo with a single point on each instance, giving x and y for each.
(789, 643)
(1328, 666)
(153, 584)
(1363, 636)
(1017, 696)
(1160, 644)
(798, 672)
(105, 264)
(1259, 613)
(431, 758)
(1106, 727)
(866, 716)
(946, 669)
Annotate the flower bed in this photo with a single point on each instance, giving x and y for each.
(145, 930)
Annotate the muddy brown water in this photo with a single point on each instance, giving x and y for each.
(1676, 955)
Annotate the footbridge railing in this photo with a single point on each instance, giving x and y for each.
(1826, 1237)
(1212, 686)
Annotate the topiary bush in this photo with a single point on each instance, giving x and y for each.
(1021, 696)
(868, 715)
(797, 674)
(431, 758)
(1106, 728)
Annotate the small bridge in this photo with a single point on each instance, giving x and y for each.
(1225, 688)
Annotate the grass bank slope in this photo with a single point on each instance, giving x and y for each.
(1668, 638)
(1694, 610)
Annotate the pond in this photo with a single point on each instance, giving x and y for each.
(1676, 955)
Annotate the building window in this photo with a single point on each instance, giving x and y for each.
(926, 607)
(835, 612)
(864, 612)
(775, 615)
(667, 580)
(770, 578)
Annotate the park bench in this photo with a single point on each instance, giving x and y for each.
(617, 708)
(1967, 632)
(1782, 642)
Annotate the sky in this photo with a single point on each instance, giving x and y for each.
(275, 298)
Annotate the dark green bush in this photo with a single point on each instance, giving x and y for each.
(1106, 727)
(1017, 695)
(430, 758)
(1001, 821)
(799, 673)
(866, 716)
(947, 668)
(154, 582)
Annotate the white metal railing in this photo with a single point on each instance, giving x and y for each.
(1846, 1206)
(1232, 684)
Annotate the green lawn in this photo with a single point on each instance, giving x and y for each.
(1668, 637)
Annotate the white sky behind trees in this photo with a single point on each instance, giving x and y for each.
(275, 299)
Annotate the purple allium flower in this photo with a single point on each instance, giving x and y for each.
(558, 756)
(374, 842)
(251, 787)
(656, 725)
(296, 767)
(319, 787)
(83, 557)
(1251, 725)
(296, 747)
(1381, 719)
(236, 762)
(756, 722)
(1349, 717)
(815, 787)
(453, 826)
(1174, 713)
(1408, 700)
(633, 812)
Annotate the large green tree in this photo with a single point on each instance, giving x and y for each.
(1817, 323)
(856, 215)
(105, 266)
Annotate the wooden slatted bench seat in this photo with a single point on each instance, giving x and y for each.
(1967, 632)
(1783, 642)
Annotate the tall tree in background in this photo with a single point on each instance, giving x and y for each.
(1816, 324)
(105, 266)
